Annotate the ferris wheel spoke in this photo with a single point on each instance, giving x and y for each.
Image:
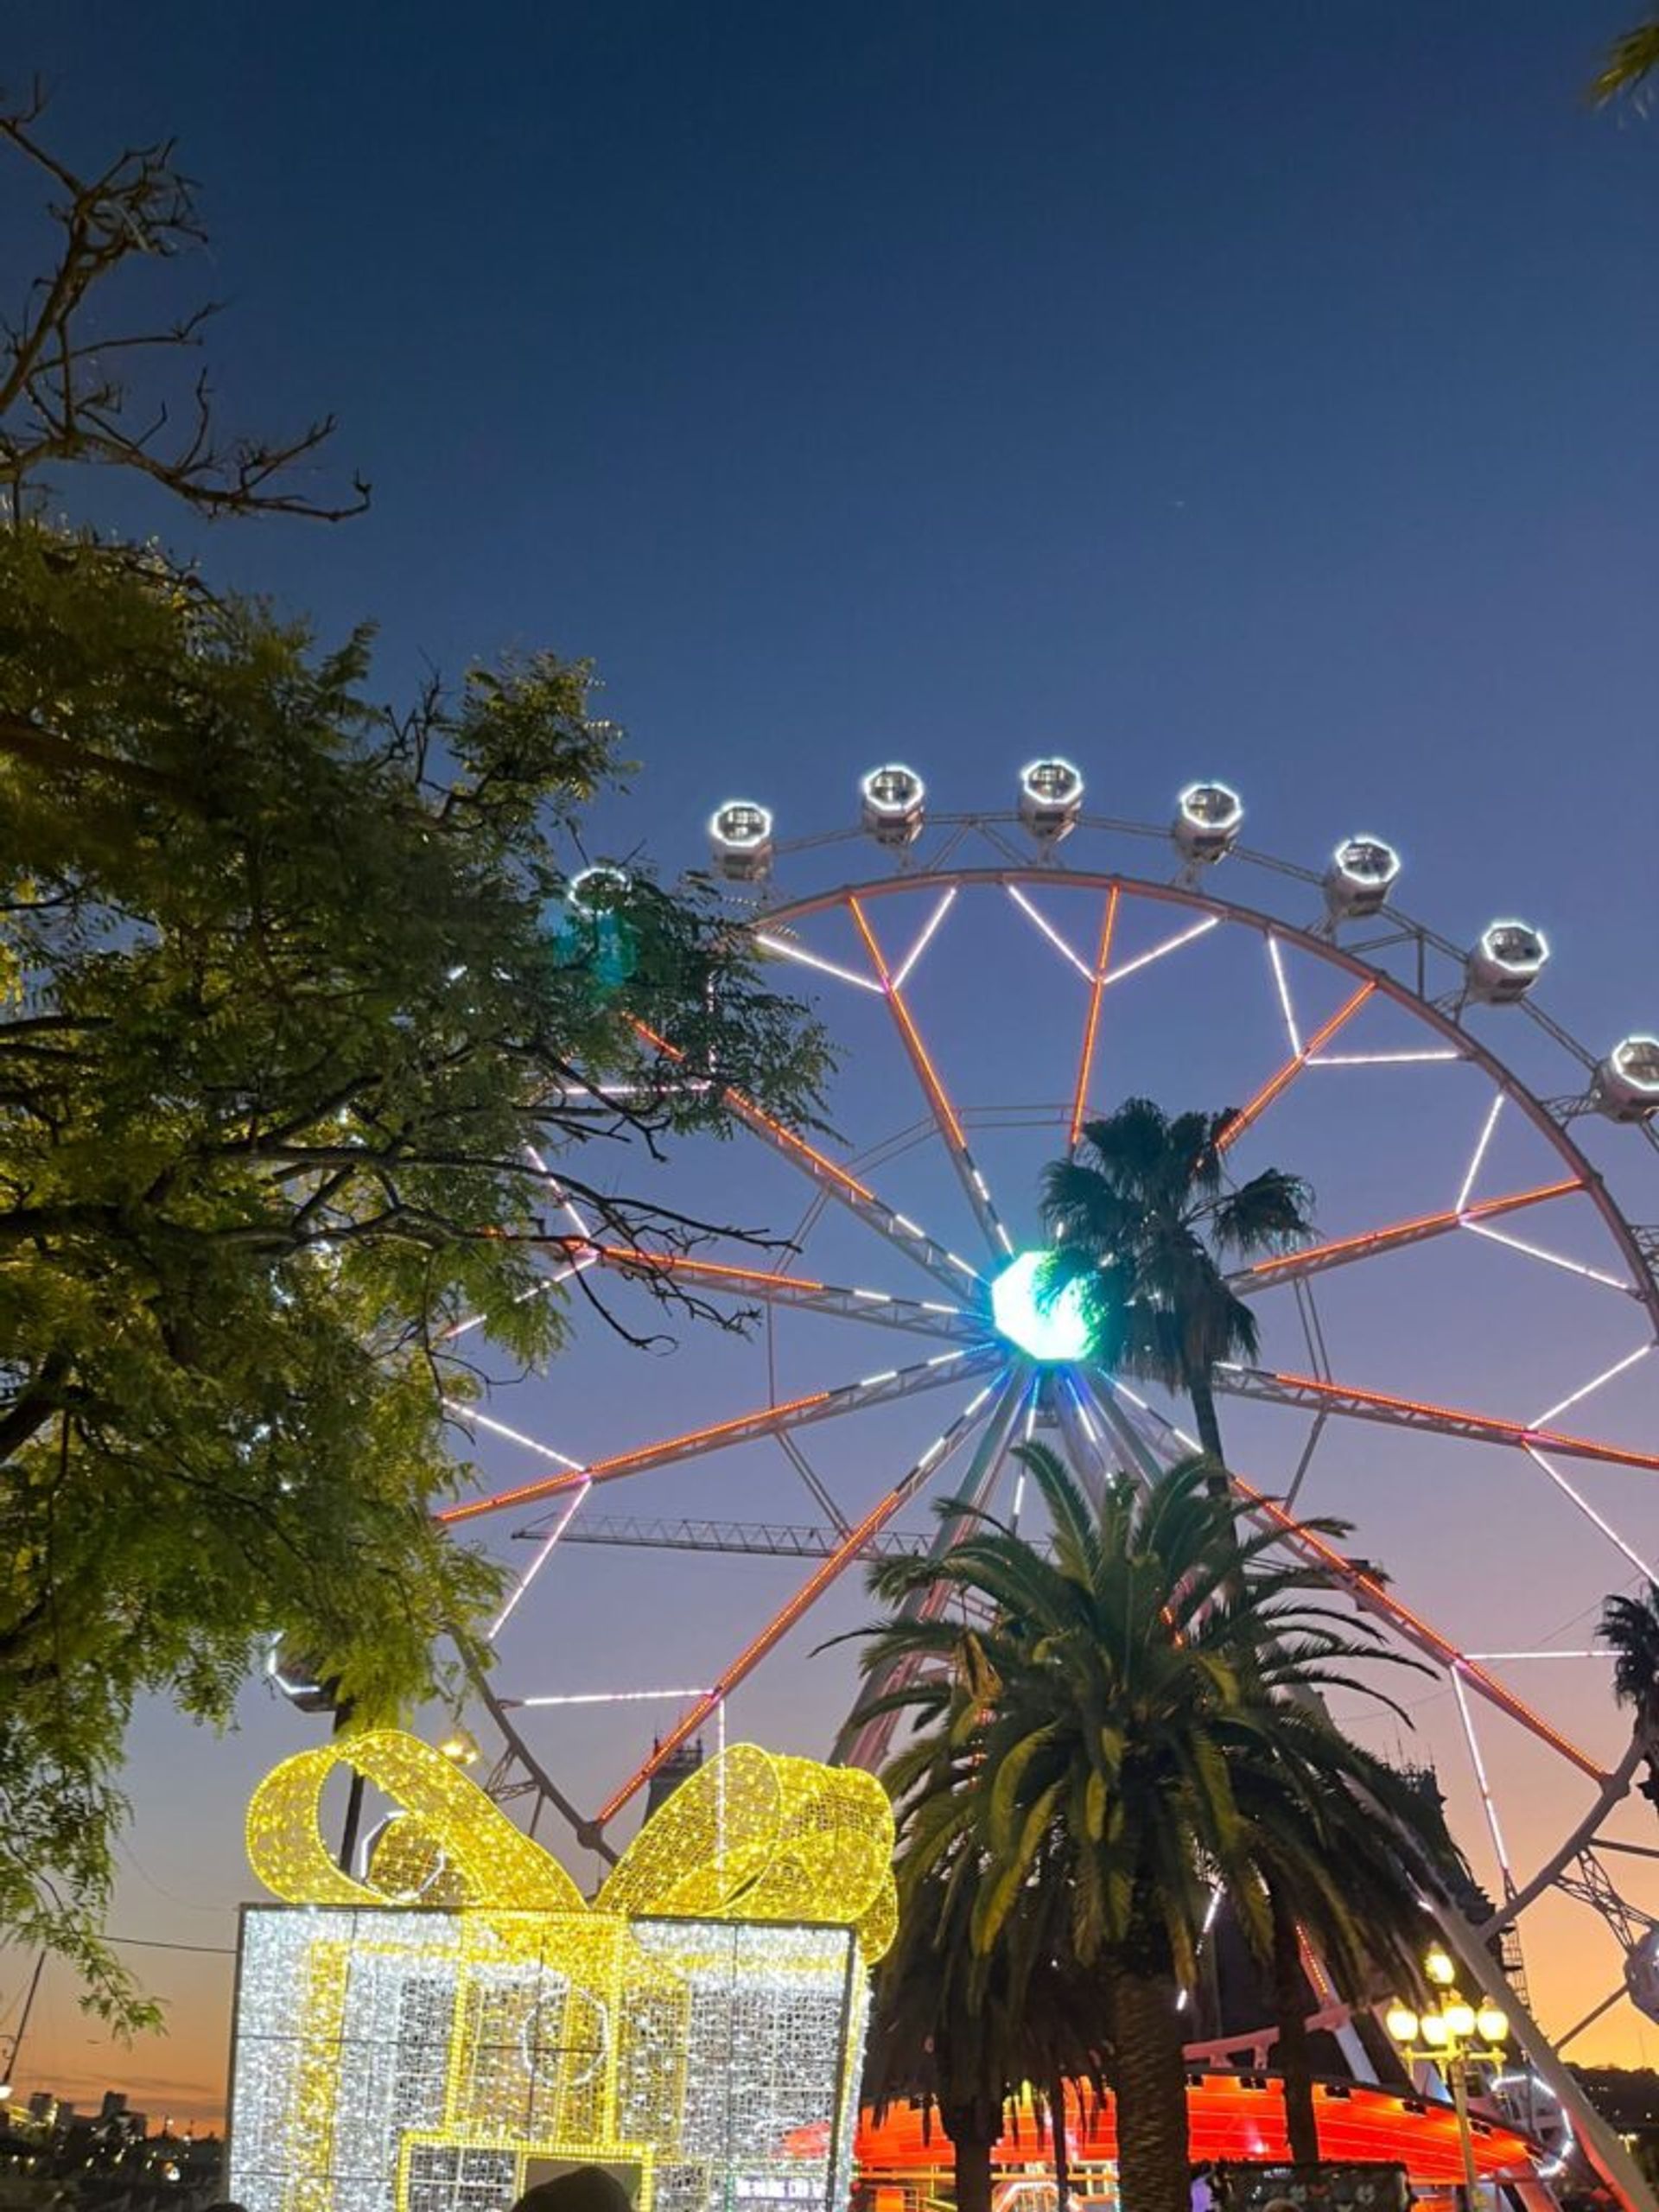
(922, 1317)
(899, 1230)
(1091, 1023)
(1371, 1596)
(866, 1744)
(1368, 1244)
(1597, 1520)
(1282, 1079)
(1494, 1826)
(1160, 1443)
(882, 1389)
(944, 1114)
(856, 1541)
(1342, 1399)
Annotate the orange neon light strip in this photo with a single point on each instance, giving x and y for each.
(623, 1463)
(1305, 1540)
(678, 1263)
(1500, 1432)
(758, 1118)
(1085, 1066)
(925, 1067)
(1425, 1224)
(1292, 1068)
(756, 1650)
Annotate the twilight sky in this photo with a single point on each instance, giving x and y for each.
(1260, 393)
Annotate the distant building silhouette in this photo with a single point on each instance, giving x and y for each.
(679, 1766)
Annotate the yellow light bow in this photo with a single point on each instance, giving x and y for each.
(752, 1835)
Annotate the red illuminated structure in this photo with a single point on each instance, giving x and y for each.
(1229, 2116)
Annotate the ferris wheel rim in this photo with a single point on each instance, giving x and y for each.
(772, 914)
(1311, 941)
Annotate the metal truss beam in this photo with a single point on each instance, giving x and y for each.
(866, 1744)
(1314, 1259)
(1156, 1444)
(1281, 1080)
(749, 1538)
(938, 1099)
(1314, 1395)
(926, 1317)
(765, 1420)
(850, 1548)
(944, 1266)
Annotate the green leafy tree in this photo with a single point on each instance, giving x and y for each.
(303, 1051)
(1140, 1720)
(1142, 1218)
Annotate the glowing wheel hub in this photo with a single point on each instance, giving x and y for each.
(1051, 1331)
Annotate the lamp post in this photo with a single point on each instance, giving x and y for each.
(1453, 2035)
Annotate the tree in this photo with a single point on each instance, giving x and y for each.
(1142, 1710)
(300, 1041)
(962, 2029)
(1629, 1627)
(1141, 1219)
(67, 396)
(1631, 60)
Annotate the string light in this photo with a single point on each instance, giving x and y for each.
(701, 2026)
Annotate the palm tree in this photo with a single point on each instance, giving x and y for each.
(962, 2029)
(1138, 1720)
(1141, 1219)
(1351, 1890)
(1631, 60)
(1629, 1627)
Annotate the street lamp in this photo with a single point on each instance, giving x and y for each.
(1453, 2036)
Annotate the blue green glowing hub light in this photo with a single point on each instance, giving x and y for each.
(1051, 1331)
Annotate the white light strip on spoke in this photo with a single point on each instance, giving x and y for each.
(1551, 1259)
(1277, 960)
(1606, 1375)
(1590, 1512)
(923, 941)
(1169, 944)
(787, 951)
(610, 1697)
(1481, 1143)
(539, 1288)
(463, 1413)
(1381, 1059)
(1050, 932)
(1467, 1719)
(567, 1515)
(566, 1201)
(1482, 1657)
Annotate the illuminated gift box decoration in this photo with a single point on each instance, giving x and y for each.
(462, 2023)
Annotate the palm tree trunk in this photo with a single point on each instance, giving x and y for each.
(971, 2149)
(1295, 2062)
(1201, 1392)
(1149, 2078)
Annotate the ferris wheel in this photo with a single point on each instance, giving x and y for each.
(1459, 1363)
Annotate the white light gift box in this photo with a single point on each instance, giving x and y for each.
(698, 2030)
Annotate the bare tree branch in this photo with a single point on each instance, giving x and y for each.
(59, 400)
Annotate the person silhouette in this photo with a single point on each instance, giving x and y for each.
(584, 2188)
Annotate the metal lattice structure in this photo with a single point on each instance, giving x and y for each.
(1510, 1139)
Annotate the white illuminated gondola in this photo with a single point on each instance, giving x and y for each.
(739, 840)
(1207, 818)
(1051, 799)
(1362, 872)
(1507, 960)
(893, 805)
(1627, 1085)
